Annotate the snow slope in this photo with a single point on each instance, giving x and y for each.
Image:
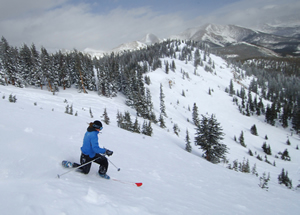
(36, 138)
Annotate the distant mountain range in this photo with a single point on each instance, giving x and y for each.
(235, 41)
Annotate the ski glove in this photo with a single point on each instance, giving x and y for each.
(108, 152)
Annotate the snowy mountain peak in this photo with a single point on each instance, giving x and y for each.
(135, 45)
(150, 39)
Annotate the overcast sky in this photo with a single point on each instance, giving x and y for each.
(105, 24)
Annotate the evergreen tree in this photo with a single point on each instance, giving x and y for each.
(208, 136)
(266, 148)
(231, 88)
(195, 114)
(296, 119)
(271, 114)
(188, 146)
(120, 119)
(46, 69)
(197, 58)
(283, 178)
(173, 66)
(241, 139)
(162, 102)
(147, 128)
(161, 121)
(106, 118)
(26, 64)
(136, 126)
(176, 129)
(167, 67)
(37, 76)
(285, 155)
(253, 130)
(127, 121)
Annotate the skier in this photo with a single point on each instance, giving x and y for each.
(91, 150)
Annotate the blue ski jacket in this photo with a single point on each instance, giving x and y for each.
(90, 144)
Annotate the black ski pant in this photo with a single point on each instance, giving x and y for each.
(101, 160)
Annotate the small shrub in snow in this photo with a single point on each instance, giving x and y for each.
(264, 181)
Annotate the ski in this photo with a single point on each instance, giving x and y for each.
(138, 184)
(69, 165)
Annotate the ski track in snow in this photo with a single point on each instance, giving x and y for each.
(36, 138)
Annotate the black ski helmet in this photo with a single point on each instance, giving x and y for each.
(97, 124)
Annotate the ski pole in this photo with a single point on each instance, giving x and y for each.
(58, 175)
(113, 164)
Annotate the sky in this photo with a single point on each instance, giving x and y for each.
(106, 24)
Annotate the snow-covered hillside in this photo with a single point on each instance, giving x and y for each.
(36, 135)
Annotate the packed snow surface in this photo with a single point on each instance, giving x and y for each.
(36, 135)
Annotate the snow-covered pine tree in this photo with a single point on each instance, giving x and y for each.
(161, 121)
(208, 136)
(127, 121)
(188, 146)
(136, 126)
(195, 114)
(46, 69)
(231, 88)
(37, 76)
(162, 102)
(105, 117)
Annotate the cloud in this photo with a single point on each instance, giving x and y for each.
(10, 9)
(62, 24)
(255, 12)
(75, 26)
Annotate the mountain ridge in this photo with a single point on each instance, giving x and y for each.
(232, 40)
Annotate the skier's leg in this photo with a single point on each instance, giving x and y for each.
(84, 159)
(102, 161)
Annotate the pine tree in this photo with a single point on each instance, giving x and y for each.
(120, 119)
(46, 69)
(167, 67)
(127, 121)
(285, 155)
(188, 146)
(176, 129)
(283, 178)
(195, 114)
(296, 119)
(253, 130)
(136, 126)
(106, 118)
(173, 66)
(147, 128)
(162, 102)
(37, 76)
(208, 136)
(266, 148)
(241, 139)
(231, 88)
(161, 121)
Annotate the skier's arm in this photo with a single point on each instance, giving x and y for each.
(95, 146)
